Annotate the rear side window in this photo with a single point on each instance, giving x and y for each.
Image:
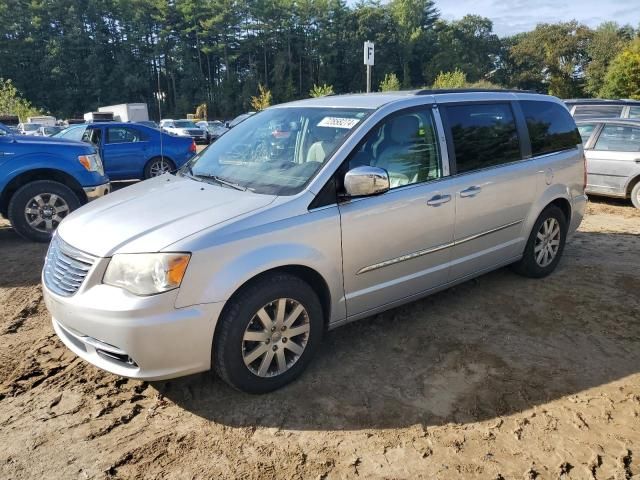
(585, 131)
(619, 138)
(634, 112)
(483, 135)
(595, 111)
(123, 135)
(551, 128)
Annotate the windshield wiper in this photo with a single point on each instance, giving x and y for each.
(221, 181)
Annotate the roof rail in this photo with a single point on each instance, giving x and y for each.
(435, 91)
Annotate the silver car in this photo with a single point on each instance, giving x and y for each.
(307, 216)
(612, 148)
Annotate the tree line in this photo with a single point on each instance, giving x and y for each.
(68, 57)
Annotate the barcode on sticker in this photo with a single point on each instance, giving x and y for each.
(337, 122)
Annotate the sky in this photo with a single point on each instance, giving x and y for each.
(514, 16)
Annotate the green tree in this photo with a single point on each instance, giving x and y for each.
(12, 103)
(455, 79)
(552, 56)
(321, 90)
(390, 83)
(623, 76)
(468, 44)
(262, 100)
(607, 41)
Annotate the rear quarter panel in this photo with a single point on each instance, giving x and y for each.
(559, 176)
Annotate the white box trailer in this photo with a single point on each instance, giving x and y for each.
(44, 120)
(128, 112)
(98, 117)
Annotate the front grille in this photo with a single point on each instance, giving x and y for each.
(65, 267)
(196, 133)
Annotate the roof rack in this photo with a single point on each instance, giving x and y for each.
(602, 101)
(435, 91)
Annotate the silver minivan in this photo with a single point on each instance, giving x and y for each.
(612, 149)
(307, 216)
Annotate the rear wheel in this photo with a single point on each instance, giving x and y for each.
(545, 245)
(37, 208)
(158, 166)
(635, 195)
(268, 334)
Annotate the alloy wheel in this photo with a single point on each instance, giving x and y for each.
(547, 242)
(45, 211)
(276, 337)
(159, 167)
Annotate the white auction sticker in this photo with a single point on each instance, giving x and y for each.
(336, 122)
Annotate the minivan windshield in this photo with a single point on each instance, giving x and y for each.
(275, 151)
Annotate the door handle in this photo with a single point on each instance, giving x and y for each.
(438, 200)
(470, 192)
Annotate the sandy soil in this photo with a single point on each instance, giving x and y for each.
(500, 378)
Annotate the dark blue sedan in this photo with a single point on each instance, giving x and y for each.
(131, 150)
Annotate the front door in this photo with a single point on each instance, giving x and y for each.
(124, 152)
(398, 244)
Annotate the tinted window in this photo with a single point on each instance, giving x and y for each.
(585, 131)
(634, 112)
(619, 138)
(594, 111)
(123, 135)
(550, 126)
(483, 135)
(405, 145)
(73, 133)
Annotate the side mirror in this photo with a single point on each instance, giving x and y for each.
(365, 181)
(226, 124)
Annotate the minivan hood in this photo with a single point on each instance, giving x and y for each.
(150, 215)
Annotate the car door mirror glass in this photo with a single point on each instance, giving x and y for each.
(365, 181)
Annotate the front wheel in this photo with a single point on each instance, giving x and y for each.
(268, 334)
(158, 166)
(545, 245)
(37, 208)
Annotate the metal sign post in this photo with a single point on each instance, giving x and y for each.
(369, 61)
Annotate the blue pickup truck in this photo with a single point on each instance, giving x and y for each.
(132, 150)
(43, 179)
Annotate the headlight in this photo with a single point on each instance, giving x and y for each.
(147, 273)
(92, 163)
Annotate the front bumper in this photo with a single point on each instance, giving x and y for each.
(144, 338)
(98, 191)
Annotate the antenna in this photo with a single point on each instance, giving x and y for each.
(159, 96)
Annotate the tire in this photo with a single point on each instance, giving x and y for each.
(530, 265)
(158, 166)
(43, 201)
(232, 350)
(635, 195)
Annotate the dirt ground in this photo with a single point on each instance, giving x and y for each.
(499, 378)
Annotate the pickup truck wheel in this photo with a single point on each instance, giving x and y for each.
(38, 207)
(268, 334)
(635, 195)
(545, 245)
(158, 166)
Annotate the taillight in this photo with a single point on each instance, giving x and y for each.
(193, 147)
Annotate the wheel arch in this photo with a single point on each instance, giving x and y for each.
(29, 176)
(307, 274)
(631, 184)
